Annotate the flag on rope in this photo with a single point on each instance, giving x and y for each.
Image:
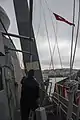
(62, 19)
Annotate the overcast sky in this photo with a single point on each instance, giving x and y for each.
(63, 31)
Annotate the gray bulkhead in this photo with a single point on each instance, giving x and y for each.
(10, 74)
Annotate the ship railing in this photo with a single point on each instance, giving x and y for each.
(20, 37)
(62, 103)
(17, 36)
(73, 76)
(48, 86)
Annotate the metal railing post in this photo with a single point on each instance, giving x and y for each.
(73, 86)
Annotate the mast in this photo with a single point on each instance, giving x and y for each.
(30, 27)
(31, 16)
(24, 23)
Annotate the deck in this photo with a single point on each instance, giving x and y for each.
(50, 116)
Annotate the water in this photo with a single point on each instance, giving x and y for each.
(54, 80)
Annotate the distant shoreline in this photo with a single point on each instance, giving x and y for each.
(51, 76)
(58, 72)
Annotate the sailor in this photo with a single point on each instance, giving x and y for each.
(29, 95)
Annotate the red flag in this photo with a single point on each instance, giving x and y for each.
(63, 19)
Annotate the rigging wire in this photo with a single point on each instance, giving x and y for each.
(72, 37)
(76, 37)
(5, 30)
(53, 55)
(39, 23)
(48, 43)
(37, 33)
(55, 33)
(58, 49)
(47, 36)
(36, 37)
(34, 7)
(56, 42)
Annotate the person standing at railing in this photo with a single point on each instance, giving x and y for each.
(29, 95)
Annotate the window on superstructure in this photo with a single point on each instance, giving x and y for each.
(1, 82)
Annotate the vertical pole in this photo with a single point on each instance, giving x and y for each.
(60, 112)
(50, 89)
(73, 86)
(72, 39)
(30, 19)
(47, 85)
(70, 105)
(78, 111)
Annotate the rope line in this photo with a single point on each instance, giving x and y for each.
(55, 33)
(72, 37)
(39, 23)
(47, 36)
(76, 37)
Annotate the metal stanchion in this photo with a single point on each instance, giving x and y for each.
(73, 86)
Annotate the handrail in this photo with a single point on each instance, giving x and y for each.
(64, 106)
(60, 96)
(54, 100)
(17, 36)
(48, 106)
(60, 102)
(63, 110)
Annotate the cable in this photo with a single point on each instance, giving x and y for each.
(5, 30)
(49, 45)
(76, 36)
(72, 37)
(34, 8)
(56, 41)
(48, 7)
(39, 23)
(54, 45)
(58, 49)
(39, 20)
(48, 37)
(53, 55)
